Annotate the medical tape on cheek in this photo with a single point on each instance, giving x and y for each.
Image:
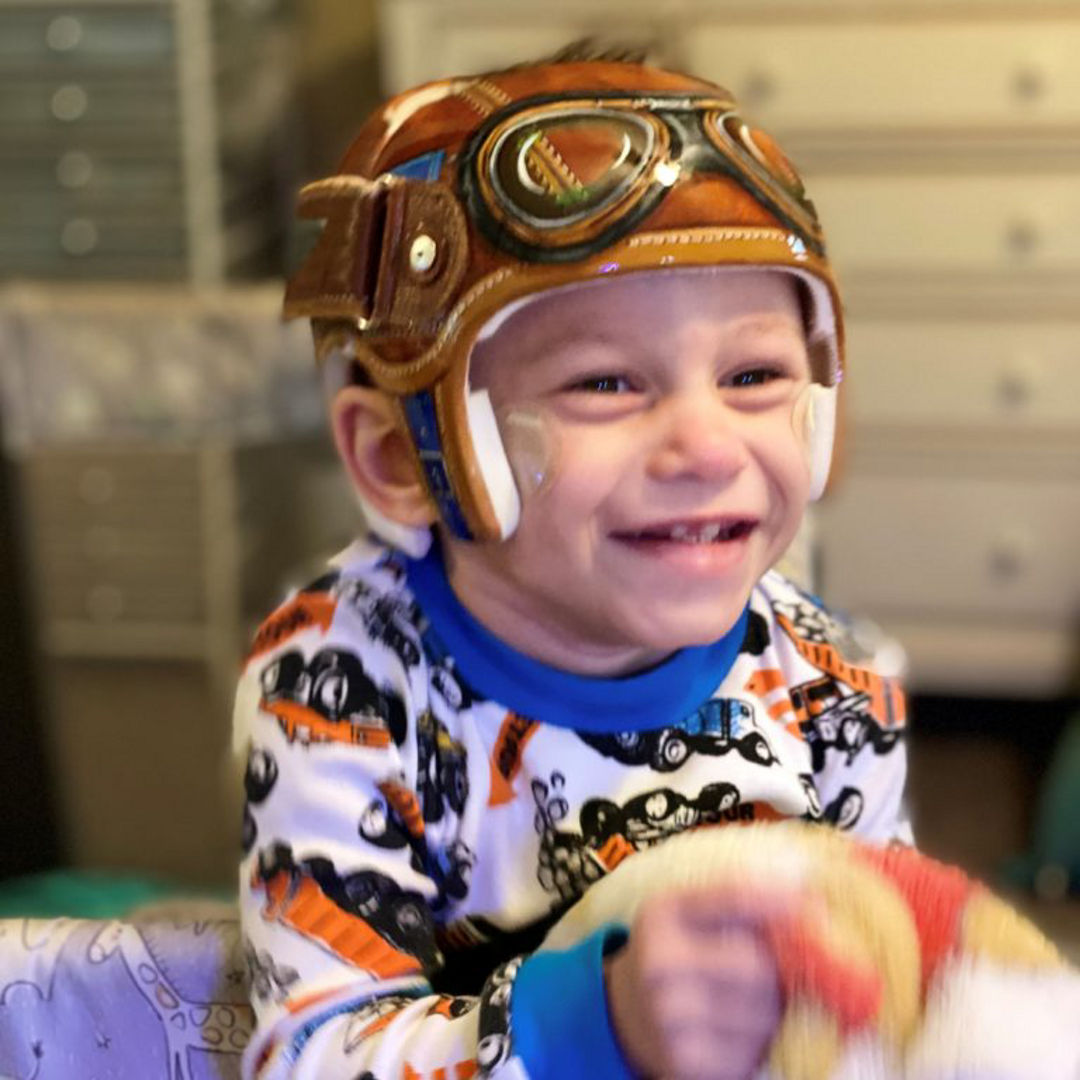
(800, 419)
(532, 448)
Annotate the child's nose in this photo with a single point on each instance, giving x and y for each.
(700, 439)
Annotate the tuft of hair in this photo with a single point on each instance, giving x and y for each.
(599, 48)
(592, 48)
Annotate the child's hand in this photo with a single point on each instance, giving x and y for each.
(695, 993)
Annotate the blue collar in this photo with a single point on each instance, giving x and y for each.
(655, 698)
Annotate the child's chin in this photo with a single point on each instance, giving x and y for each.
(670, 631)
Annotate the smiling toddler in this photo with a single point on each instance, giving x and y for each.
(582, 346)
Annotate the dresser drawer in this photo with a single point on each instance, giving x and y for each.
(958, 546)
(80, 35)
(134, 112)
(826, 70)
(116, 536)
(115, 487)
(955, 223)
(150, 363)
(463, 50)
(956, 374)
(112, 220)
(422, 41)
(90, 175)
(142, 589)
(89, 236)
(151, 267)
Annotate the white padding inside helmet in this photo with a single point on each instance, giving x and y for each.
(492, 461)
(822, 320)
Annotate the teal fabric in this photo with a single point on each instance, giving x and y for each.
(1052, 866)
(78, 895)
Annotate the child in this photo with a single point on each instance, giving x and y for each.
(583, 345)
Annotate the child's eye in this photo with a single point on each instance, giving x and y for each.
(756, 376)
(604, 384)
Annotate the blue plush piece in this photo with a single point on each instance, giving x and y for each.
(1052, 866)
(1057, 836)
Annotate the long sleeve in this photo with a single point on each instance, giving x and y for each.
(353, 856)
(340, 878)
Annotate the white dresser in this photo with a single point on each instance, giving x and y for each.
(941, 144)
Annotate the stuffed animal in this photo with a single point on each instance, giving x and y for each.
(893, 967)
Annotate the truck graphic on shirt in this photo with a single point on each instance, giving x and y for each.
(330, 699)
(718, 727)
(832, 717)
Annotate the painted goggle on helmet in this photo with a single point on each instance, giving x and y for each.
(564, 178)
(463, 198)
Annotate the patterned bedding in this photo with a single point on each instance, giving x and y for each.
(153, 997)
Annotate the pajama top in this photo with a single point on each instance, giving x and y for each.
(423, 801)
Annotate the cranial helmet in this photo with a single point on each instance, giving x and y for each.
(461, 199)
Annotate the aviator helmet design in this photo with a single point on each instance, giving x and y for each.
(463, 198)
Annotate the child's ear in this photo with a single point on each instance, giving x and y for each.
(378, 455)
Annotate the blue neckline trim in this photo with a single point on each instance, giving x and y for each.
(655, 698)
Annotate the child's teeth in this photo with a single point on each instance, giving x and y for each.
(705, 534)
(689, 534)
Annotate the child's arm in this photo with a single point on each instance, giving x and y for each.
(339, 884)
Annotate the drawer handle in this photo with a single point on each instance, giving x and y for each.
(74, 169)
(1019, 381)
(63, 33)
(1022, 238)
(1010, 556)
(69, 103)
(79, 236)
(758, 88)
(104, 603)
(1028, 83)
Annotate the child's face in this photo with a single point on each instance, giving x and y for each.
(677, 476)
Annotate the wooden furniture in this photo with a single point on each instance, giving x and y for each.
(151, 566)
(174, 482)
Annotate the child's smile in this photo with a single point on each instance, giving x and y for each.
(677, 478)
(705, 545)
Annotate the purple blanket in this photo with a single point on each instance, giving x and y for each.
(140, 1000)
